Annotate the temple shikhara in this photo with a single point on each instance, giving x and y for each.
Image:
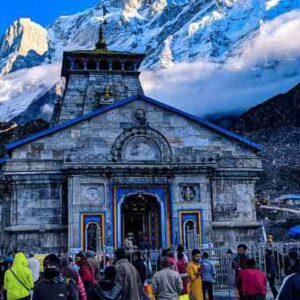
(115, 161)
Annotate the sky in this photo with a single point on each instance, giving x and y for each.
(43, 12)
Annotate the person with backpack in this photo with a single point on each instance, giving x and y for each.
(53, 286)
(108, 288)
(208, 276)
(69, 273)
(18, 280)
(87, 273)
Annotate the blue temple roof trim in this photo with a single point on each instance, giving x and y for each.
(107, 108)
(3, 159)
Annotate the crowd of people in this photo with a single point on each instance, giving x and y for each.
(81, 278)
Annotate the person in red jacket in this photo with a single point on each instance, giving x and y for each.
(87, 273)
(251, 282)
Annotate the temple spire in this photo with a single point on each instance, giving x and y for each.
(101, 44)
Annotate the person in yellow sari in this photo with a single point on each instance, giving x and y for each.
(194, 274)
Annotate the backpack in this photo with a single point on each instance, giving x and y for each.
(72, 288)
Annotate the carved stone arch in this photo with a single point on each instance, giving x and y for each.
(137, 137)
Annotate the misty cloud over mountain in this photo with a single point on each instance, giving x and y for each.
(205, 57)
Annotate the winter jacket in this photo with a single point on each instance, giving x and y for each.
(67, 272)
(208, 271)
(238, 262)
(129, 279)
(54, 289)
(87, 274)
(141, 268)
(252, 282)
(182, 270)
(167, 284)
(107, 290)
(290, 289)
(271, 266)
(14, 289)
(92, 262)
(34, 266)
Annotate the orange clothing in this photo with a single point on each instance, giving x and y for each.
(193, 271)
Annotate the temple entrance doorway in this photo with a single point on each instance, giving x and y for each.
(141, 217)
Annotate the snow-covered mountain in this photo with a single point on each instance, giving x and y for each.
(24, 45)
(201, 40)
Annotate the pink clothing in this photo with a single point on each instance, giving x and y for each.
(252, 282)
(181, 266)
(173, 264)
(81, 289)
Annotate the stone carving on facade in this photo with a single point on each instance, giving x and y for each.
(91, 194)
(87, 158)
(141, 149)
(189, 192)
(139, 116)
(141, 143)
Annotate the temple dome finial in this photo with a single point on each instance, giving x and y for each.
(101, 44)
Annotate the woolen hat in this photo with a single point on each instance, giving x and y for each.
(52, 258)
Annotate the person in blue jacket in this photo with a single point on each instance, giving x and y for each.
(290, 288)
(208, 276)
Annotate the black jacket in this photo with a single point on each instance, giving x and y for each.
(54, 289)
(142, 269)
(290, 289)
(107, 290)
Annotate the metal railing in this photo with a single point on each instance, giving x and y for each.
(220, 258)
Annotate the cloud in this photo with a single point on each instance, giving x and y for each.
(19, 89)
(266, 65)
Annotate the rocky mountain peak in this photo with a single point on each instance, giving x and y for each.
(22, 41)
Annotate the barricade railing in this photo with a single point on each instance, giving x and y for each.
(221, 258)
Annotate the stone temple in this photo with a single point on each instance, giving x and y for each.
(115, 161)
